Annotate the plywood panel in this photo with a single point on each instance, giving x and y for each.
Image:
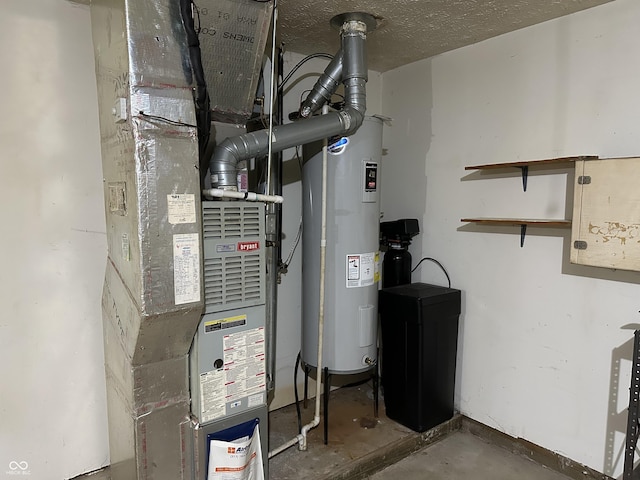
(606, 215)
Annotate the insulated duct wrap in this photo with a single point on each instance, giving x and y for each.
(233, 35)
(152, 297)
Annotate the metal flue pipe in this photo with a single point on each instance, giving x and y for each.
(324, 88)
(353, 33)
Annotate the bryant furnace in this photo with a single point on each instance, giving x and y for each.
(227, 359)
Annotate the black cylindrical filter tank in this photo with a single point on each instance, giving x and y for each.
(396, 266)
(396, 237)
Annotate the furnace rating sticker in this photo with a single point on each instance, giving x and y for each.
(181, 208)
(361, 270)
(186, 268)
(212, 392)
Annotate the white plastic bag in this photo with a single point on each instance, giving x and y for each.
(239, 459)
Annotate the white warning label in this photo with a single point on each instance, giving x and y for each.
(186, 268)
(181, 208)
(244, 364)
(361, 269)
(212, 392)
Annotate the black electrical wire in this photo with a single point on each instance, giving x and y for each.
(296, 241)
(437, 263)
(295, 391)
(197, 27)
(299, 64)
(279, 156)
(304, 93)
(188, 10)
(292, 251)
(299, 157)
(149, 118)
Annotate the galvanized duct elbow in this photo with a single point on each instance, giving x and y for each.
(351, 63)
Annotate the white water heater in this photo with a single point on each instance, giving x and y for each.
(352, 255)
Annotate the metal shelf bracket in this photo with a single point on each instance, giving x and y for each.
(525, 176)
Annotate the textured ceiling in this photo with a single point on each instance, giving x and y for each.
(410, 30)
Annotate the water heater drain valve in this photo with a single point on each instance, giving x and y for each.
(367, 360)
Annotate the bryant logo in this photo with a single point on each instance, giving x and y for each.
(248, 246)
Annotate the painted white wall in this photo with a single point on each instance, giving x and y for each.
(290, 291)
(53, 245)
(539, 337)
(543, 350)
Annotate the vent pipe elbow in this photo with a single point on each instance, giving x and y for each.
(229, 153)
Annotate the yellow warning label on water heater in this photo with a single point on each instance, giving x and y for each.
(376, 274)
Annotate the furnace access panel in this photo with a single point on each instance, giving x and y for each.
(227, 360)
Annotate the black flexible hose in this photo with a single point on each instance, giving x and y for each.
(278, 156)
(300, 63)
(437, 263)
(295, 391)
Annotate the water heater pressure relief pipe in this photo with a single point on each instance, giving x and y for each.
(323, 269)
(301, 438)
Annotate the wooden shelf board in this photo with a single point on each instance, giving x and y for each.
(518, 221)
(529, 163)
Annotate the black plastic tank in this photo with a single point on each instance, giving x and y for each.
(396, 266)
(419, 324)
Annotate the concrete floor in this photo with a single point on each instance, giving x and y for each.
(464, 455)
(355, 436)
(363, 447)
